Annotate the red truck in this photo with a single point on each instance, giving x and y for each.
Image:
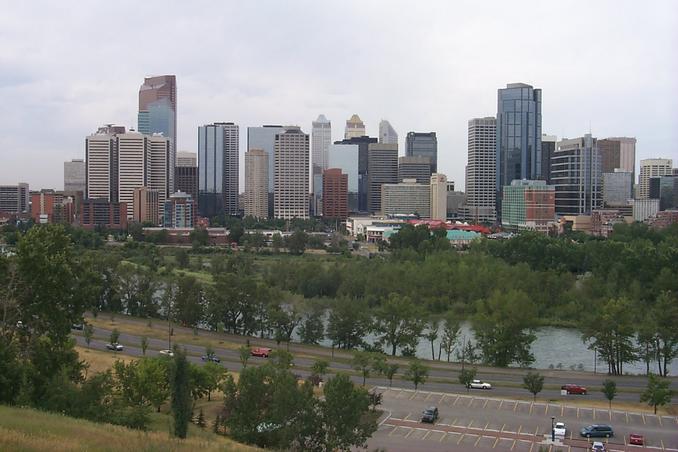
(262, 352)
(574, 389)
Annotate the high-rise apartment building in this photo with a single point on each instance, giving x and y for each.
(131, 167)
(518, 135)
(406, 198)
(481, 171)
(617, 188)
(576, 175)
(145, 207)
(548, 147)
(218, 153)
(528, 205)
(179, 211)
(14, 198)
(256, 183)
(335, 194)
(101, 166)
(618, 153)
(321, 139)
(387, 134)
(438, 186)
(187, 159)
(354, 128)
(158, 171)
(423, 144)
(74, 176)
(345, 157)
(158, 113)
(382, 168)
(652, 168)
(291, 165)
(414, 167)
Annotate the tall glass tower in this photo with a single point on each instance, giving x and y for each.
(158, 113)
(518, 135)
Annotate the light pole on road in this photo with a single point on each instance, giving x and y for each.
(553, 429)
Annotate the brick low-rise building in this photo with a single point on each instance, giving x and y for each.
(103, 213)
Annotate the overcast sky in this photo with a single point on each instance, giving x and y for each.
(67, 67)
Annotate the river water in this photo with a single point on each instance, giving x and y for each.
(553, 346)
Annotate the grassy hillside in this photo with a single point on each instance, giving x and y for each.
(24, 429)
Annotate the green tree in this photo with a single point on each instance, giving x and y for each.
(182, 257)
(345, 421)
(215, 374)
(312, 329)
(296, 243)
(417, 373)
(235, 232)
(115, 336)
(281, 359)
(362, 362)
(384, 368)
(277, 242)
(188, 307)
(657, 392)
(609, 389)
(664, 316)
(398, 323)
(180, 386)
(348, 323)
(319, 368)
(144, 345)
(466, 376)
(450, 334)
(504, 327)
(533, 382)
(431, 335)
(283, 321)
(88, 333)
(199, 237)
(245, 354)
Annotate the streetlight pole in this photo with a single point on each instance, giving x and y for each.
(595, 359)
(553, 429)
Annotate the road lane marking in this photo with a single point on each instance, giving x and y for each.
(477, 441)
(495, 442)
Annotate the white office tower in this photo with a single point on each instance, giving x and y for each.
(438, 197)
(321, 139)
(481, 171)
(387, 134)
(290, 198)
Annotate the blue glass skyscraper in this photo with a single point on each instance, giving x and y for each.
(518, 135)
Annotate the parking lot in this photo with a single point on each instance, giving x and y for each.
(480, 422)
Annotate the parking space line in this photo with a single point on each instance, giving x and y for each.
(460, 438)
(577, 412)
(659, 418)
(406, 417)
(536, 432)
(443, 437)
(454, 421)
(502, 428)
(515, 406)
(486, 426)
(409, 433)
(531, 446)
(546, 408)
(594, 414)
(514, 444)
(495, 442)
(414, 394)
(486, 400)
(392, 431)
(501, 402)
(470, 424)
(562, 410)
(477, 441)
(427, 433)
(531, 405)
(627, 417)
(471, 402)
(519, 429)
(456, 400)
(429, 395)
(442, 397)
(643, 418)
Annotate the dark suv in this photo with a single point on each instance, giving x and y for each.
(597, 431)
(430, 414)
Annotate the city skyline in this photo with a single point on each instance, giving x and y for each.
(43, 83)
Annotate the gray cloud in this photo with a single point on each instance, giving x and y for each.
(67, 67)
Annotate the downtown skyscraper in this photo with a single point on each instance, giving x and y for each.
(481, 171)
(518, 146)
(321, 139)
(218, 183)
(423, 144)
(387, 134)
(291, 164)
(158, 113)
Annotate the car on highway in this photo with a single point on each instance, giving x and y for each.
(261, 352)
(114, 346)
(597, 446)
(574, 389)
(478, 384)
(211, 357)
(430, 415)
(597, 431)
(559, 429)
(169, 353)
(636, 439)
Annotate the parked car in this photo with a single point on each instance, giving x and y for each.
(636, 439)
(597, 431)
(597, 446)
(477, 384)
(115, 347)
(430, 414)
(78, 326)
(559, 429)
(169, 353)
(262, 352)
(574, 389)
(213, 358)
